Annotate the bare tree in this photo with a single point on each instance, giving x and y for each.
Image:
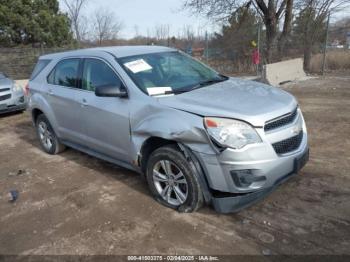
(287, 27)
(188, 33)
(271, 11)
(106, 25)
(311, 23)
(137, 31)
(162, 32)
(339, 31)
(75, 8)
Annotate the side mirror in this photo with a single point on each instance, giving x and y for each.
(111, 91)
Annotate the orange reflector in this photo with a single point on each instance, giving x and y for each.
(210, 123)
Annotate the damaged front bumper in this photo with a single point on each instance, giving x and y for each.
(236, 180)
(236, 203)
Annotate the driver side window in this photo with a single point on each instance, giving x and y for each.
(97, 73)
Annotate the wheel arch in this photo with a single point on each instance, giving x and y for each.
(35, 113)
(39, 105)
(149, 146)
(153, 143)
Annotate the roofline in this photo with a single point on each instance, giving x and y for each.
(109, 50)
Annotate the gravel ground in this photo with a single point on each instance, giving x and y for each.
(75, 204)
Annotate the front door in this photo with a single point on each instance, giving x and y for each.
(106, 118)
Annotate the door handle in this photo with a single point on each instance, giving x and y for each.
(50, 92)
(84, 103)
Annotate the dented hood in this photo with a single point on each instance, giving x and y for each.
(235, 98)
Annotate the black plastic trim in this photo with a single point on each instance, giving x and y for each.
(236, 203)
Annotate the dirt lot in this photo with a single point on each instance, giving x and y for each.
(76, 204)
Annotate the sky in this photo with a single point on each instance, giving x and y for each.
(146, 14)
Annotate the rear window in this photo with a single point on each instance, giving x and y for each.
(39, 67)
(65, 73)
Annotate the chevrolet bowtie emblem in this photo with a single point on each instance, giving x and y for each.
(296, 130)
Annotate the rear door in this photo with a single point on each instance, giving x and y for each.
(106, 118)
(63, 97)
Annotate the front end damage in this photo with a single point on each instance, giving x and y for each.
(230, 179)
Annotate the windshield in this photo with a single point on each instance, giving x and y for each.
(168, 73)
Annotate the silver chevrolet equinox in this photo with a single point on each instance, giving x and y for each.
(196, 136)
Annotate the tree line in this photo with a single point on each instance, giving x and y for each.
(285, 22)
(42, 23)
(284, 26)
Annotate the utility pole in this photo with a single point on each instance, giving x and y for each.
(259, 32)
(206, 47)
(325, 46)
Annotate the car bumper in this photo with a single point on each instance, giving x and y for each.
(238, 178)
(17, 102)
(239, 202)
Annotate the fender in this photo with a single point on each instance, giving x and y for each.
(36, 101)
(197, 171)
(170, 124)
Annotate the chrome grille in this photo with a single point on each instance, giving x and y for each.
(288, 145)
(281, 121)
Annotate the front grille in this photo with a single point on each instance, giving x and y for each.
(282, 121)
(289, 144)
(4, 89)
(5, 97)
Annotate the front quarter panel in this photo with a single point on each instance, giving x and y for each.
(153, 120)
(38, 101)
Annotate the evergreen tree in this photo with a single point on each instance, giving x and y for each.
(236, 37)
(33, 22)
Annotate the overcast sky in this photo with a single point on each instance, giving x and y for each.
(146, 14)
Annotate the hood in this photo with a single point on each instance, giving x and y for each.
(235, 98)
(5, 83)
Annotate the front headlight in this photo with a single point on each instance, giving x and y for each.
(231, 133)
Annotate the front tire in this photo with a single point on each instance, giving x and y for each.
(47, 137)
(172, 180)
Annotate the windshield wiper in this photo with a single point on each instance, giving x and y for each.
(209, 82)
(199, 85)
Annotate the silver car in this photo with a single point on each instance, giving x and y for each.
(11, 95)
(198, 137)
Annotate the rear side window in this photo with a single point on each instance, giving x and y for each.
(97, 73)
(42, 63)
(65, 73)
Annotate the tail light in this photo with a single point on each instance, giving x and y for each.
(26, 90)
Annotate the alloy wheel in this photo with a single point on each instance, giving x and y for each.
(170, 182)
(45, 135)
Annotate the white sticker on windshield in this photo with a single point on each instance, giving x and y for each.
(138, 66)
(159, 91)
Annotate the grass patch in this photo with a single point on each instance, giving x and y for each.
(336, 60)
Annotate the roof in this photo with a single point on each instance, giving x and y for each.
(118, 51)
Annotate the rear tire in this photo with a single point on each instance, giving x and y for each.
(47, 137)
(172, 181)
